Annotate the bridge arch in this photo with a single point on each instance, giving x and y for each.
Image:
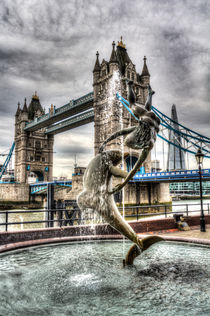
(35, 176)
(130, 162)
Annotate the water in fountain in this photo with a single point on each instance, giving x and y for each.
(115, 105)
(88, 279)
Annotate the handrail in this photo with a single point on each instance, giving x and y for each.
(80, 220)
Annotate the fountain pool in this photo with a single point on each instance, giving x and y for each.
(88, 278)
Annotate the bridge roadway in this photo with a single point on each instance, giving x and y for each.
(41, 187)
(77, 120)
(167, 177)
(71, 109)
(172, 176)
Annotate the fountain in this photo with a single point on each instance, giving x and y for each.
(88, 278)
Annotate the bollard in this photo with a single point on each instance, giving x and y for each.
(6, 221)
(165, 211)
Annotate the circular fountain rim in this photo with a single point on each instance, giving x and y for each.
(57, 240)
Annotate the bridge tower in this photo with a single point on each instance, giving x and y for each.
(108, 78)
(33, 150)
(109, 116)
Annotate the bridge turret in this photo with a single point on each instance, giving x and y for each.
(106, 107)
(145, 75)
(33, 150)
(35, 107)
(25, 109)
(18, 111)
(96, 69)
(113, 62)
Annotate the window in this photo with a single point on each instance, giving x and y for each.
(31, 158)
(128, 75)
(43, 158)
(132, 76)
(37, 158)
(38, 144)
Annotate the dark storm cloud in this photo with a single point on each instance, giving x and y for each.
(50, 46)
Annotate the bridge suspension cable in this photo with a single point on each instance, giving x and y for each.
(182, 134)
(7, 160)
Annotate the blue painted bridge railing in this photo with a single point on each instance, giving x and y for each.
(40, 187)
(172, 176)
(166, 176)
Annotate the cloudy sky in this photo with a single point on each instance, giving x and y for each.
(50, 45)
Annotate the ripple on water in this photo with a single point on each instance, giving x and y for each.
(89, 279)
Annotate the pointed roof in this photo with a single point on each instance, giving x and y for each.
(174, 113)
(97, 66)
(18, 109)
(145, 71)
(34, 106)
(122, 56)
(113, 58)
(175, 159)
(25, 109)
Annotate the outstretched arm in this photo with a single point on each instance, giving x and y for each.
(124, 131)
(130, 175)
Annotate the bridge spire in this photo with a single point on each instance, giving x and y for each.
(121, 44)
(113, 58)
(25, 109)
(18, 109)
(97, 67)
(145, 71)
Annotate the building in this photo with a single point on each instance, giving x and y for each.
(33, 150)
(175, 159)
(110, 77)
(189, 188)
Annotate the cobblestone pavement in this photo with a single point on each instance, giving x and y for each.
(193, 233)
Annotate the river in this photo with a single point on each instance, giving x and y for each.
(23, 216)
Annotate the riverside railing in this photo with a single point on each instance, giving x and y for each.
(41, 218)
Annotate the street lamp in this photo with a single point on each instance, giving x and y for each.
(199, 158)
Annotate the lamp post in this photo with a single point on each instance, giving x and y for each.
(199, 158)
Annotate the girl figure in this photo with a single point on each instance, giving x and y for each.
(142, 136)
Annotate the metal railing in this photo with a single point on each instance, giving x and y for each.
(60, 217)
(166, 210)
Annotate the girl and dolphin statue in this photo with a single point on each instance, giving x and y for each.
(97, 181)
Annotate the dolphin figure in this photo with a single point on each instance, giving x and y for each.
(97, 185)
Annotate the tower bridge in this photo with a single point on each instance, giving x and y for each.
(55, 115)
(35, 130)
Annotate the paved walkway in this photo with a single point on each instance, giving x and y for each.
(192, 236)
(193, 233)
